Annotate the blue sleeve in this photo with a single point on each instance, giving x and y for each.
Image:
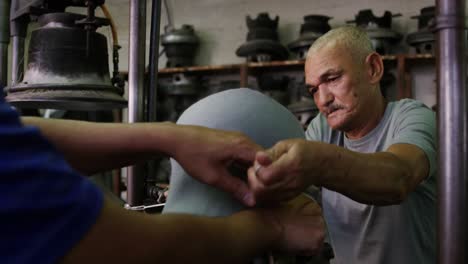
(45, 206)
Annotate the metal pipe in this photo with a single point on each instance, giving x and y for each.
(3, 67)
(4, 42)
(152, 88)
(136, 70)
(17, 59)
(154, 59)
(451, 76)
(18, 29)
(170, 21)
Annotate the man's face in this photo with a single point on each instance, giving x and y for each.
(338, 86)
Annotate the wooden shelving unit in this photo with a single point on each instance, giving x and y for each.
(215, 69)
(403, 77)
(402, 61)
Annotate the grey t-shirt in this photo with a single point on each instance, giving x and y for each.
(404, 233)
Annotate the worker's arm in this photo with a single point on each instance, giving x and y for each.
(376, 178)
(205, 153)
(121, 236)
(94, 147)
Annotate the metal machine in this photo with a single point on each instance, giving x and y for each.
(180, 45)
(262, 40)
(313, 27)
(378, 29)
(423, 40)
(67, 65)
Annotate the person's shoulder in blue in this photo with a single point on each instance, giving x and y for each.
(45, 206)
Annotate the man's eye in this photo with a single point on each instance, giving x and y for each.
(334, 78)
(312, 91)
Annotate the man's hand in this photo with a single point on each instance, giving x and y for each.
(206, 154)
(300, 224)
(283, 171)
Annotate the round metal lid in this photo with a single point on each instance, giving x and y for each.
(66, 97)
(185, 34)
(418, 37)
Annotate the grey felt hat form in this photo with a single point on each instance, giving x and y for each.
(262, 119)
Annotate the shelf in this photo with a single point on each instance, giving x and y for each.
(275, 63)
(201, 69)
(389, 57)
(254, 68)
(227, 68)
(289, 64)
(420, 57)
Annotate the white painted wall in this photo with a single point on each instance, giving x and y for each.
(221, 23)
(221, 26)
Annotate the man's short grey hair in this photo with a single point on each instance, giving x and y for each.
(352, 38)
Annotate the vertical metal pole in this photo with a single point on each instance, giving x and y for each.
(152, 89)
(136, 71)
(4, 42)
(451, 73)
(3, 66)
(18, 28)
(154, 59)
(17, 59)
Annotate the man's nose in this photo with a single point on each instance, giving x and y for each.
(323, 97)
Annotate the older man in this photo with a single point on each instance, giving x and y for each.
(376, 160)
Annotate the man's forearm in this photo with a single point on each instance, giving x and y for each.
(93, 147)
(129, 237)
(236, 239)
(375, 178)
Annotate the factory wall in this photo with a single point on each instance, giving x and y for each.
(221, 26)
(221, 23)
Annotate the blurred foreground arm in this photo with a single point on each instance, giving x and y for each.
(176, 238)
(204, 153)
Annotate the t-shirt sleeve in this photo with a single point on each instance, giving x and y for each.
(416, 125)
(313, 132)
(45, 206)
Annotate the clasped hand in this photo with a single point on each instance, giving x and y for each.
(283, 171)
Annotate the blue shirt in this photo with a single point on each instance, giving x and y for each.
(45, 206)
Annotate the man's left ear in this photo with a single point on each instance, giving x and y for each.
(375, 67)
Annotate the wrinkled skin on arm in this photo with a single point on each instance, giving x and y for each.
(291, 166)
